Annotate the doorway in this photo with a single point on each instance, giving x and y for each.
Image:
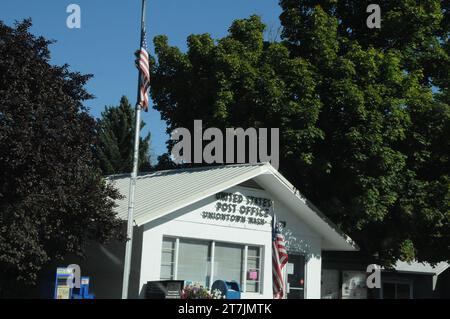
(295, 270)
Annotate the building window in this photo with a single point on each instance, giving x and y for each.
(253, 269)
(228, 263)
(396, 290)
(168, 259)
(354, 284)
(193, 260)
(203, 262)
(329, 284)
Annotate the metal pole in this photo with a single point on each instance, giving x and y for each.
(129, 243)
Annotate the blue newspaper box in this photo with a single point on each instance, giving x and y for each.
(229, 289)
(84, 290)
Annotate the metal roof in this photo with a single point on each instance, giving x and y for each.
(162, 192)
(166, 191)
(423, 268)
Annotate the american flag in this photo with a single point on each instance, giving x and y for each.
(142, 64)
(279, 259)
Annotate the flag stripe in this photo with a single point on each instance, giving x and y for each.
(279, 260)
(144, 72)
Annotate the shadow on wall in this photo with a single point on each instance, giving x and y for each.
(442, 289)
(298, 245)
(104, 265)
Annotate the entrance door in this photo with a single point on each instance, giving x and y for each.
(295, 270)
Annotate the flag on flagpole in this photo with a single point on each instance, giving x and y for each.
(279, 259)
(142, 64)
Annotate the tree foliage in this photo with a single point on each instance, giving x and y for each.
(363, 113)
(116, 135)
(386, 91)
(53, 199)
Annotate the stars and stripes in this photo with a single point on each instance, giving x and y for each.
(142, 64)
(279, 259)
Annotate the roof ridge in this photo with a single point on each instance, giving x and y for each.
(182, 169)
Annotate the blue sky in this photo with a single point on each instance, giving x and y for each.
(109, 35)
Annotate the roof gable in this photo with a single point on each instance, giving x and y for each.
(160, 193)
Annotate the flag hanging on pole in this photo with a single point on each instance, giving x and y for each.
(142, 64)
(279, 259)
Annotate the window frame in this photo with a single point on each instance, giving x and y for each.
(397, 282)
(211, 257)
(259, 262)
(173, 264)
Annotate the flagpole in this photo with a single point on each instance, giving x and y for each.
(130, 220)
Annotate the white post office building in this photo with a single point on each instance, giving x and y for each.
(209, 223)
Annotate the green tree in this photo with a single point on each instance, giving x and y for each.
(240, 82)
(364, 124)
(116, 135)
(394, 156)
(53, 199)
